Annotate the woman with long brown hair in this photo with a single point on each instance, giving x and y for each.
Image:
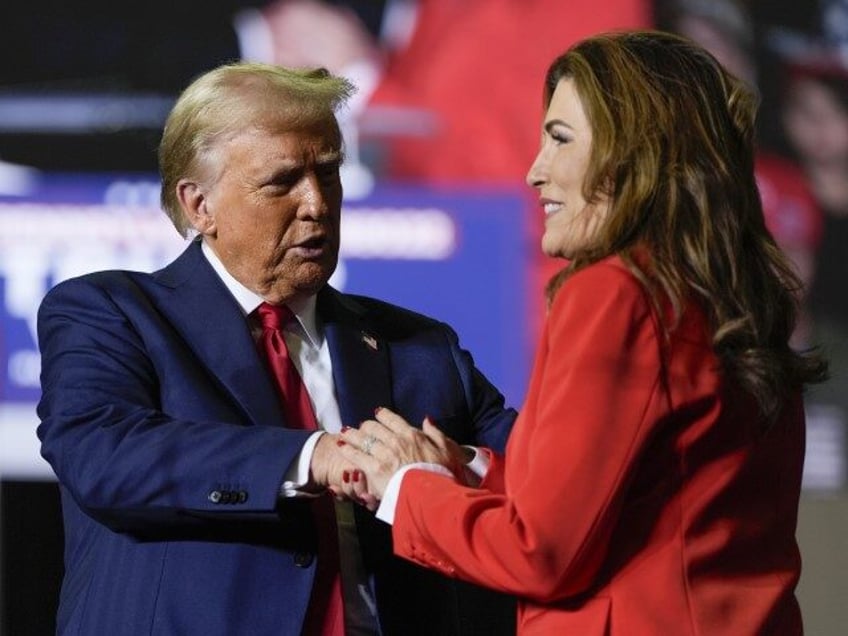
(651, 482)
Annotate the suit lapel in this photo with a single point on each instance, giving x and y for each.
(199, 306)
(360, 357)
(362, 375)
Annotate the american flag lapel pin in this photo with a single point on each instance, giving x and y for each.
(369, 340)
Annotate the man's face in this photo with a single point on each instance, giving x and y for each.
(272, 205)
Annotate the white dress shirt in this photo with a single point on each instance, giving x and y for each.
(311, 356)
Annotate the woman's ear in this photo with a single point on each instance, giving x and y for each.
(194, 204)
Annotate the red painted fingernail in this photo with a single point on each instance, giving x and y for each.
(345, 429)
(340, 442)
(356, 475)
(378, 409)
(345, 477)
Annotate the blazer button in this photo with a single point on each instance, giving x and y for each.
(242, 496)
(226, 496)
(303, 559)
(215, 496)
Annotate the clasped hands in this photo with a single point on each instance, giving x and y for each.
(357, 464)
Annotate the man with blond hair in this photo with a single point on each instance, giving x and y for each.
(192, 415)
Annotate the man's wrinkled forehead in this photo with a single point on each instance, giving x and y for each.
(277, 117)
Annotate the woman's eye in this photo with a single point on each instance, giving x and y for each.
(559, 138)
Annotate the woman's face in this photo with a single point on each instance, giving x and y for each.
(816, 123)
(558, 173)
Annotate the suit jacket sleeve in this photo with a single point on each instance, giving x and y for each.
(124, 460)
(491, 421)
(589, 409)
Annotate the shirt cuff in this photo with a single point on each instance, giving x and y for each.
(297, 475)
(476, 469)
(386, 510)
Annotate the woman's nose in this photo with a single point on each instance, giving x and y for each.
(536, 174)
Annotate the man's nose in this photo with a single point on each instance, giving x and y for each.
(313, 200)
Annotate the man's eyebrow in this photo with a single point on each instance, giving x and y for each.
(290, 167)
(330, 157)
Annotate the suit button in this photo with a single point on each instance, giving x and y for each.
(303, 559)
(226, 496)
(215, 496)
(242, 496)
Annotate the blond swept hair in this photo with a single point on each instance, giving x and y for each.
(232, 98)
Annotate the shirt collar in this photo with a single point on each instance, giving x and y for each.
(248, 300)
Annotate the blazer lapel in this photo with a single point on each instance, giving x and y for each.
(360, 357)
(199, 306)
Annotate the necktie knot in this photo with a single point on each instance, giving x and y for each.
(274, 317)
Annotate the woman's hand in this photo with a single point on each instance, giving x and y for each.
(353, 485)
(331, 470)
(383, 445)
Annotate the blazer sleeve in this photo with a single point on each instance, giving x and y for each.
(125, 461)
(588, 414)
(493, 480)
(490, 419)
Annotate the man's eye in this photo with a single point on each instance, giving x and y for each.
(284, 180)
(328, 171)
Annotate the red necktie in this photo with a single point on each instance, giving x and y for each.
(325, 615)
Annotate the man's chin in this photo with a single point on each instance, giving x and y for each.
(310, 278)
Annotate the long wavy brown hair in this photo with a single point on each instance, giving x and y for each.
(673, 148)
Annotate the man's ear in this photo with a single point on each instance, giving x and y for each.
(194, 203)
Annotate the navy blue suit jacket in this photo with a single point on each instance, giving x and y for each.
(170, 446)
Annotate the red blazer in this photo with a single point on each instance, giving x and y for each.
(637, 494)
